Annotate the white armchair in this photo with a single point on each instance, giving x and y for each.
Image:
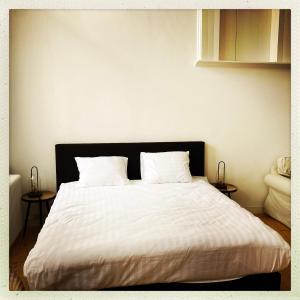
(278, 201)
(15, 207)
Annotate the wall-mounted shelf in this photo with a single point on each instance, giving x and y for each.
(255, 36)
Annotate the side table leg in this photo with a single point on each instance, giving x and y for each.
(229, 195)
(47, 205)
(41, 214)
(26, 219)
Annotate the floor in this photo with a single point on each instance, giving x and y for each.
(286, 234)
(22, 246)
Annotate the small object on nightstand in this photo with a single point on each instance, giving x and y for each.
(45, 196)
(227, 189)
(34, 180)
(221, 176)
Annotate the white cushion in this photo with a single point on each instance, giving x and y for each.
(102, 170)
(165, 167)
(284, 166)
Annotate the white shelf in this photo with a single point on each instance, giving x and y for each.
(259, 36)
(197, 62)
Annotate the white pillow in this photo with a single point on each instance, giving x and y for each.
(165, 167)
(102, 170)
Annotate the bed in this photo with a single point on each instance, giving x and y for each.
(150, 237)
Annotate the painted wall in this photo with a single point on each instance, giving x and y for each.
(129, 76)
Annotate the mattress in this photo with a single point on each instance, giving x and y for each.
(101, 237)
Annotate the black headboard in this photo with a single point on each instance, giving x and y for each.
(66, 168)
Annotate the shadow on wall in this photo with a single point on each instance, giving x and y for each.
(210, 160)
(240, 194)
(212, 157)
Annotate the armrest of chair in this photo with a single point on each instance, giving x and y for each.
(279, 183)
(13, 178)
(15, 207)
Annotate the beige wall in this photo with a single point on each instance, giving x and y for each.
(129, 76)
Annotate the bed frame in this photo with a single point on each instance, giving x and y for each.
(66, 168)
(66, 171)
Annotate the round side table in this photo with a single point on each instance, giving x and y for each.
(44, 198)
(227, 190)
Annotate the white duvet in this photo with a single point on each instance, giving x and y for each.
(101, 237)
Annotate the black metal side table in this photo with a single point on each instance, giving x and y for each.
(44, 198)
(227, 189)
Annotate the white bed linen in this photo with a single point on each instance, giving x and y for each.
(100, 237)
